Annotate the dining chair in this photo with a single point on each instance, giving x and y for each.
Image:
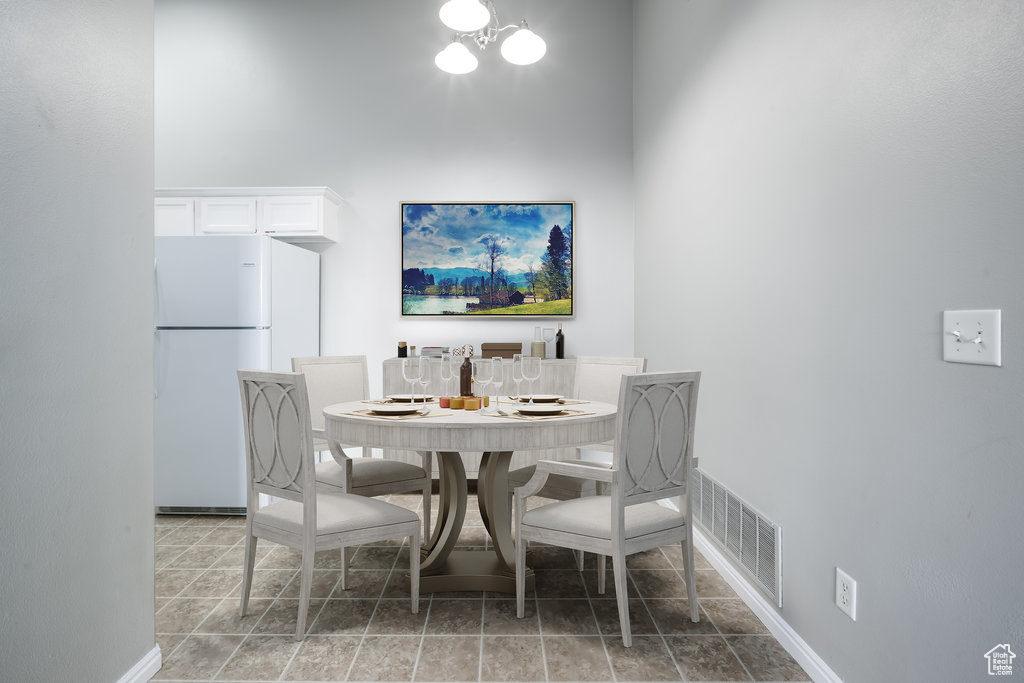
(338, 379)
(279, 462)
(597, 378)
(652, 460)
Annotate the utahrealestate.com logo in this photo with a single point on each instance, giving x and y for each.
(1000, 660)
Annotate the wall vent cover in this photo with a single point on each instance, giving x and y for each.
(751, 539)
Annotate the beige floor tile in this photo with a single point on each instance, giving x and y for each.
(449, 658)
(672, 616)
(576, 658)
(279, 618)
(213, 583)
(259, 658)
(649, 559)
(344, 617)
(732, 617)
(198, 557)
(512, 658)
(198, 657)
(163, 555)
(566, 617)
(266, 583)
(646, 660)
(182, 615)
(324, 581)
(659, 583)
(375, 557)
(711, 585)
(675, 556)
(184, 535)
(225, 535)
(224, 617)
(363, 583)
(170, 582)
(559, 583)
(607, 613)
(500, 618)
(706, 658)
(322, 658)
(765, 659)
(385, 658)
(449, 616)
(393, 617)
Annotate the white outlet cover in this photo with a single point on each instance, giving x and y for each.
(846, 594)
(972, 337)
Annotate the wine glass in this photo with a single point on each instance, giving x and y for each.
(517, 372)
(531, 372)
(497, 379)
(549, 336)
(447, 372)
(424, 375)
(411, 372)
(482, 376)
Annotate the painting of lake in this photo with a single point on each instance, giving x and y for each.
(487, 259)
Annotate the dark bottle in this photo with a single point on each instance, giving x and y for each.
(559, 343)
(403, 351)
(466, 378)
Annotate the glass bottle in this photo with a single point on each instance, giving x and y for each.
(559, 343)
(466, 378)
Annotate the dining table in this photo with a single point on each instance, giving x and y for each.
(446, 434)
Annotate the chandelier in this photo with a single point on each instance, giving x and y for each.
(477, 20)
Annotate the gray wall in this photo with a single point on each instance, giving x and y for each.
(346, 94)
(816, 183)
(76, 250)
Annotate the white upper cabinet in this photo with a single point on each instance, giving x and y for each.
(174, 216)
(291, 214)
(226, 216)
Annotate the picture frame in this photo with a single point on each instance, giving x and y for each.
(487, 259)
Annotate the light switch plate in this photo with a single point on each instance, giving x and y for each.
(972, 337)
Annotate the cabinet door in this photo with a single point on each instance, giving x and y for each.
(174, 216)
(287, 216)
(226, 216)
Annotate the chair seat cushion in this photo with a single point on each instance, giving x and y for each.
(335, 512)
(368, 472)
(591, 516)
(557, 486)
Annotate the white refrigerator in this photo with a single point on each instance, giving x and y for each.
(223, 303)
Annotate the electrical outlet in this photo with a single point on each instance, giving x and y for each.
(846, 593)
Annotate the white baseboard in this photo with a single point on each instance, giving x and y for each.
(145, 668)
(789, 639)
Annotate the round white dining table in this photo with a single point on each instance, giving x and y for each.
(447, 433)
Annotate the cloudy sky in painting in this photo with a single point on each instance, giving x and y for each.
(452, 235)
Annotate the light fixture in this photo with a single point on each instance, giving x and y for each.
(456, 59)
(464, 15)
(478, 20)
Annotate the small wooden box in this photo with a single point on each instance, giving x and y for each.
(500, 349)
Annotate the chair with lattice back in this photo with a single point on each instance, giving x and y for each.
(652, 461)
(279, 463)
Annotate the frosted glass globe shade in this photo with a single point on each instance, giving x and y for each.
(523, 47)
(456, 59)
(466, 16)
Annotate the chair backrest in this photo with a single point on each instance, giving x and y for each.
(278, 440)
(598, 378)
(332, 379)
(654, 435)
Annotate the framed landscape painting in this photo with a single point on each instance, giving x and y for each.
(478, 259)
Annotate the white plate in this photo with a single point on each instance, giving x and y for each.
(541, 410)
(541, 398)
(407, 398)
(395, 409)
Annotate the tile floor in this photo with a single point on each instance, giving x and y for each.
(367, 632)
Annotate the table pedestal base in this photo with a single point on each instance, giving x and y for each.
(473, 570)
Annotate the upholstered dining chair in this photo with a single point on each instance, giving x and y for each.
(597, 378)
(652, 460)
(338, 379)
(279, 462)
